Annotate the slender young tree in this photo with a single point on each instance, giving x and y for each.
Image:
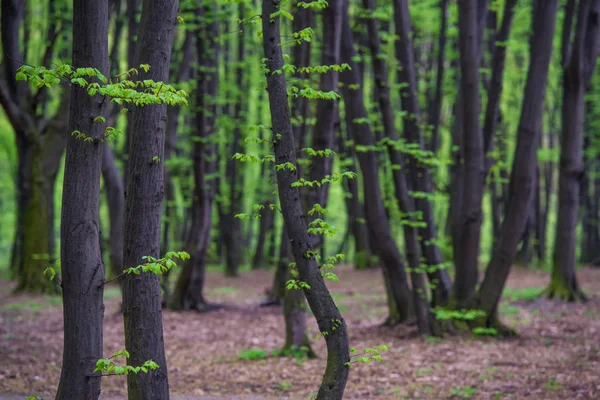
(466, 257)
(329, 319)
(188, 293)
(375, 213)
(405, 202)
(143, 210)
(81, 259)
(523, 176)
(420, 177)
(493, 104)
(579, 66)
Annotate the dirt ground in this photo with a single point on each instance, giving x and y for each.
(556, 356)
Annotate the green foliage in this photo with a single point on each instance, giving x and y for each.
(445, 314)
(106, 366)
(158, 266)
(320, 227)
(553, 385)
(120, 91)
(335, 177)
(481, 331)
(464, 393)
(369, 355)
(294, 284)
(252, 354)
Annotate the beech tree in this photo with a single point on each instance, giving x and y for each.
(522, 180)
(143, 210)
(466, 257)
(81, 260)
(188, 293)
(40, 140)
(329, 319)
(375, 214)
(579, 64)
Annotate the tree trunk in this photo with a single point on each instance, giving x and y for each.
(329, 319)
(232, 230)
(169, 219)
(81, 258)
(420, 177)
(467, 260)
(578, 71)
(266, 220)
(524, 165)
(116, 207)
(377, 221)
(405, 202)
(39, 155)
(363, 255)
(188, 291)
(143, 210)
(436, 105)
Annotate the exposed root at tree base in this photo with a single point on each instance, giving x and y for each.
(564, 294)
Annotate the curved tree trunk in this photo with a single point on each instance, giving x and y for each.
(377, 221)
(330, 321)
(522, 179)
(420, 178)
(401, 191)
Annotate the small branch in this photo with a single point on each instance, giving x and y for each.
(113, 279)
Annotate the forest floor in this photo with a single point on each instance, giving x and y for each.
(556, 355)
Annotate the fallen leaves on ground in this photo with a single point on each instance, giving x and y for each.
(556, 356)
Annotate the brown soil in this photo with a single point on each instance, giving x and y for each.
(556, 356)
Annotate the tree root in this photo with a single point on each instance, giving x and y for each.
(562, 293)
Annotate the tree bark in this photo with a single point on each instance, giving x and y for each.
(436, 106)
(81, 258)
(143, 210)
(405, 201)
(329, 319)
(525, 161)
(115, 197)
(182, 75)
(577, 74)
(377, 221)
(188, 291)
(466, 260)
(363, 254)
(420, 178)
(40, 142)
(232, 229)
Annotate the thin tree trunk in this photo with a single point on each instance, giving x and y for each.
(329, 319)
(467, 260)
(363, 256)
(436, 105)
(420, 178)
(143, 210)
(524, 165)
(377, 221)
(577, 74)
(405, 202)
(81, 258)
(232, 229)
(188, 290)
(182, 75)
(116, 207)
